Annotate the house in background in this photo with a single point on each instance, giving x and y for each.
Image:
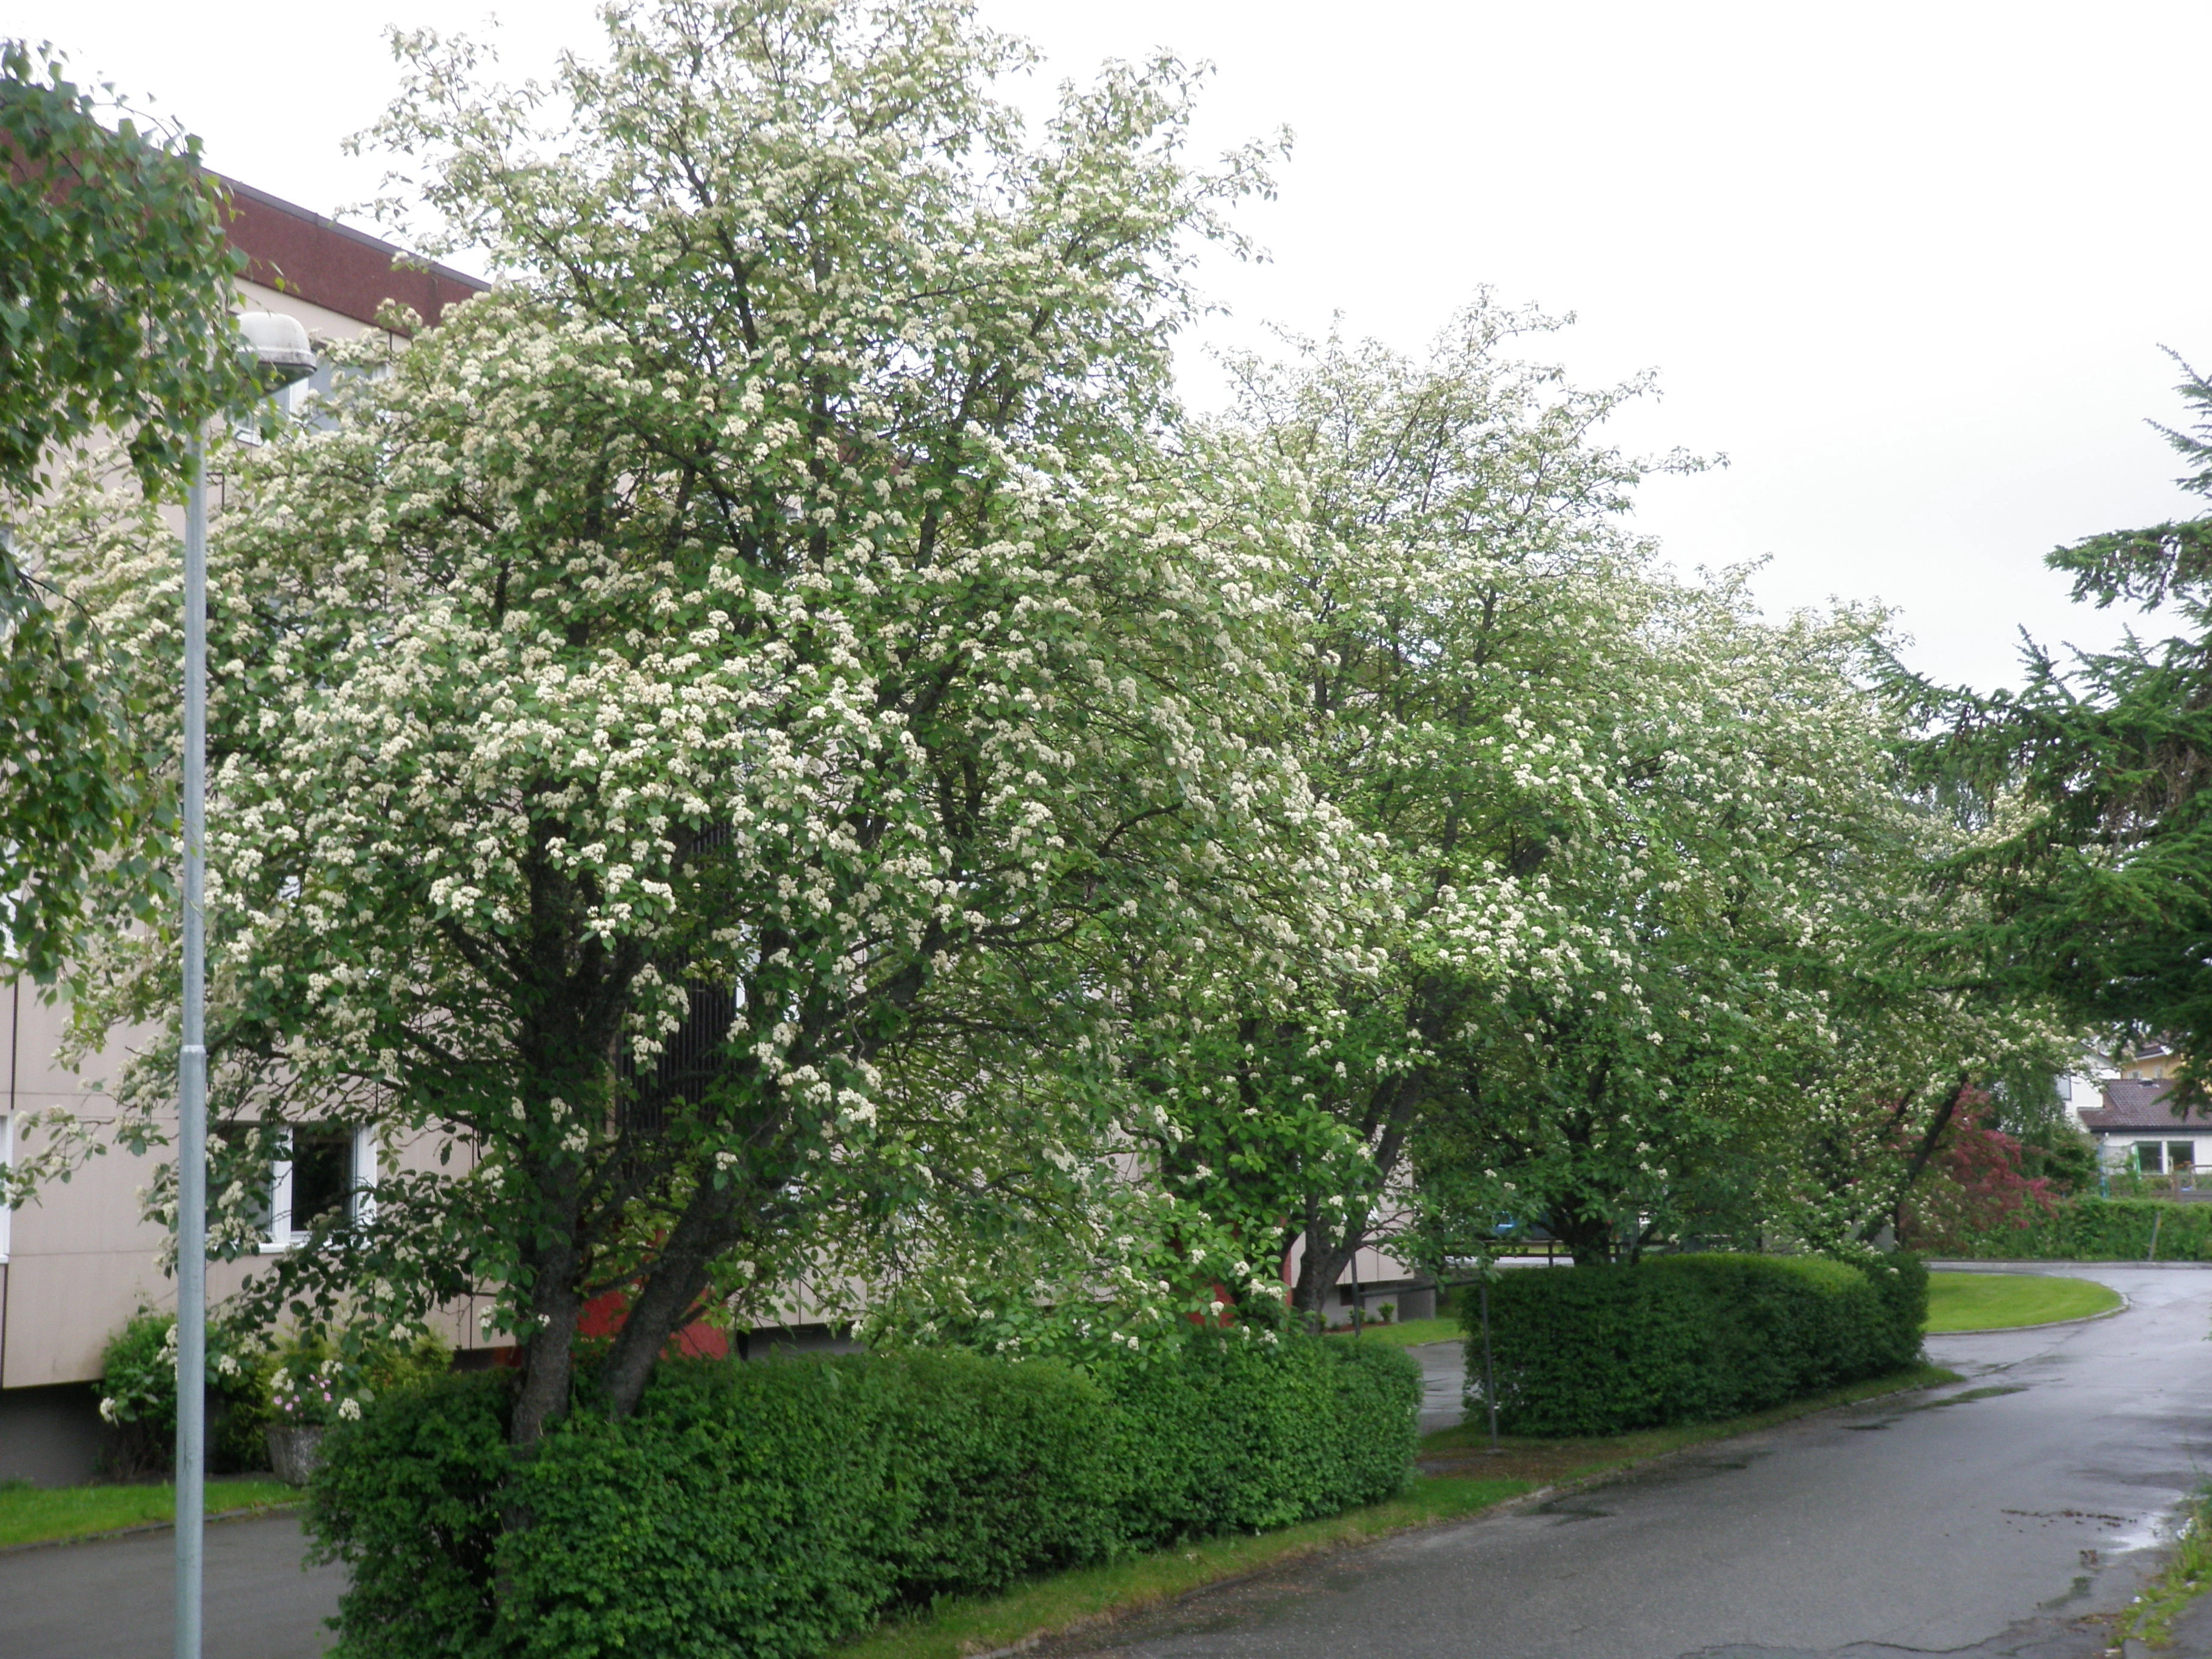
(76, 1264)
(2134, 1128)
(2150, 1062)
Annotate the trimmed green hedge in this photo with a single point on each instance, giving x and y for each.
(1689, 1338)
(769, 1508)
(2099, 1230)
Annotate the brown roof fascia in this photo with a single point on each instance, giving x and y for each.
(334, 266)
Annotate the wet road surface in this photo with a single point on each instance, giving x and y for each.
(111, 1599)
(1995, 1516)
(1992, 1518)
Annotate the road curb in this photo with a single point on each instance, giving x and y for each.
(1606, 1477)
(1999, 1265)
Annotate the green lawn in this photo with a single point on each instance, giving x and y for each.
(40, 1515)
(1405, 1333)
(1984, 1301)
(1464, 1477)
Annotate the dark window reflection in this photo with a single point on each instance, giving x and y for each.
(322, 1173)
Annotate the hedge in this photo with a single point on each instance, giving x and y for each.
(1689, 1338)
(2098, 1230)
(771, 1508)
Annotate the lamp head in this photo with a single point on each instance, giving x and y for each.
(278, 345)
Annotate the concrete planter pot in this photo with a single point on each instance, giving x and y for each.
(295, 1451)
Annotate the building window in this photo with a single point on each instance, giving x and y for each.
(2150, 1158)
(322, 1175)
(2180, 1155)
(319, 1169)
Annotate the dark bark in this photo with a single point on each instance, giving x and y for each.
(1587, 1233)
(1328, 1252)
(709, 1226)
(547, 1357)
(1917, 1165)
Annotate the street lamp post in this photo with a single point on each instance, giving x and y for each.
(282, 354)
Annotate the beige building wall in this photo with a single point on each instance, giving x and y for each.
(75, 1264)
(83, 1258)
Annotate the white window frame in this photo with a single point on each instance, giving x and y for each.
(360, 1198)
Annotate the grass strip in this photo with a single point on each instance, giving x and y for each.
(1410, 1332)
(47, 1515)
(1985, 1302)
(970, 1625)
(1458, 1477)
(2188, 1575)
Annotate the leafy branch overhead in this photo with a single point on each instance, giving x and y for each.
(115, 280)
(115, 321)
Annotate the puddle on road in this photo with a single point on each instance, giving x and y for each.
(1972, 1394)
(2150, 1532)
(1696, 1469)
(1899, 1415)
(1583, 1505)
(1572, 1509)
(2079, 1591)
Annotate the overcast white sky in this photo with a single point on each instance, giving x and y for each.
(1907, 265)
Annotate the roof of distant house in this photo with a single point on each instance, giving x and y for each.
(334, 266)
(2133, 1102)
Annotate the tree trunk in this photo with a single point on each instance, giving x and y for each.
(1918, 1165)
(548, 1358)
(670, 1291)
(1587, 1234)
(1328, 1252)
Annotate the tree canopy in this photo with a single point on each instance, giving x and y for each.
(770, 751)
(2088, 790)
(691, 727)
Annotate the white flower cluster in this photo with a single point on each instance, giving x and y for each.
(771, 741)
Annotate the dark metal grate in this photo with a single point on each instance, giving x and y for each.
(696, 1052)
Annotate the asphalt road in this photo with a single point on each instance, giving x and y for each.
(111, 1599)
(1989, 1517)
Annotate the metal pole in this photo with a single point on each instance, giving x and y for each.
(1489, 1378)
(191, 1090)
(1357, 1310)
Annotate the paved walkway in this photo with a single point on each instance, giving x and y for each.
(1443, 1383)
(1984, 1519)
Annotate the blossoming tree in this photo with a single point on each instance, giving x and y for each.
(693, 731)
(1646, 934)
